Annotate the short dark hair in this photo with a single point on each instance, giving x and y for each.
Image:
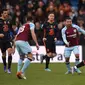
(29, 18)
(1, 11)
(67, 17)
(51, 13)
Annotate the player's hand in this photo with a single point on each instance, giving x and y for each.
(44, 39)
(1, 35)
(67, 44)
(37, 46)
(13, 50)
(55, 39)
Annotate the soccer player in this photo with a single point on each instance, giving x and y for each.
(5, 40)
(23, 47)
(70, 38)
(50, 34)
(75, 68)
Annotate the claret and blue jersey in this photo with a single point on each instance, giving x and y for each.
(71, 35)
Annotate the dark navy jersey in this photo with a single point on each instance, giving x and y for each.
(50, 30)
(5, 27)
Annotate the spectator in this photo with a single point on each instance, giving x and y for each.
(39, 33)
(39, 16)
(81, 23)
(81, 4)
(65, 7)
(59, 36)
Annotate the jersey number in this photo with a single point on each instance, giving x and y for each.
(21, 29)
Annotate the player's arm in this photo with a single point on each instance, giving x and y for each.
(32, 26)
(13, 41)
(79, 29)
(44, 37)
(64, 37)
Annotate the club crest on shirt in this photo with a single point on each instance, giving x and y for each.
(74, 30)
(51, 26)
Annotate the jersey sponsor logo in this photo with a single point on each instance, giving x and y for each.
(73, 35)
(51, 32)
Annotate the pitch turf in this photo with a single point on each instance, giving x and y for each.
(37, 76)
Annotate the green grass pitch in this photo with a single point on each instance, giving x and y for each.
(37, 76)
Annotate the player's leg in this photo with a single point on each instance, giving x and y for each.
(67, 53)
(20, 61)
(3, 50)
(25, 49)
(4, 61)
(75, 68)
(26, 65)
(27, 62)
(47, 62)
(10, 52)
(81, 64)
(42, 57)
(19, 66)
(48, 54)
(9, 59)
(53, 51)
(76, 52)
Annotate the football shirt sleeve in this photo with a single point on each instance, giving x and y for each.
(64, 36)
(79, 29)
(32, 26)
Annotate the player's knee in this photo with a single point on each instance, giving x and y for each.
(22, 57)
(67, 62)
(3, 55)
(49, 54)
(30, 56)
(66, 59)
(54, 54)
(10, 51)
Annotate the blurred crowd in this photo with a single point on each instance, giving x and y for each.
(38, 10)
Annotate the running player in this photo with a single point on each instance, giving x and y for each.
(70, 37)
(24, 48)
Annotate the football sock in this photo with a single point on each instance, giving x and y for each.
(77, 61)
(4, 60)
(26, 64)
(80, 64)
(47, 61)
(9, 61)
(19, 65)
(68, 66)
